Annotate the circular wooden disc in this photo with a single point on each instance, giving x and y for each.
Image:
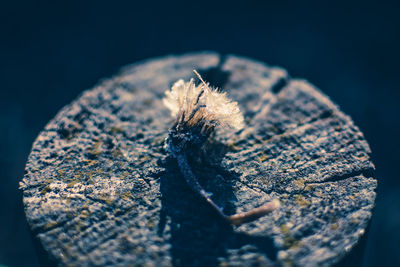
(99, 188)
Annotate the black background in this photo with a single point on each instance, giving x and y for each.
(51, 51)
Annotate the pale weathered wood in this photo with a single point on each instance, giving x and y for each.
(100, 190)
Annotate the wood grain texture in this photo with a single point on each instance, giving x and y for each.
(99, 188)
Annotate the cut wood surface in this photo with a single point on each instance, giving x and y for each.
(100, 189)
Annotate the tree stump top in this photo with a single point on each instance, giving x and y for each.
(99, 188)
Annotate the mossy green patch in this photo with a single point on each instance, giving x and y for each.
(299, 183)
(124, 175)
(116, 130)
(45, 190)
(60, 173)
(301, 200)
(310, 187)
(262, 158)
(127, 195)
(290, 242)
(285, 229)
(72, 183)
(50, 224)
(78, 175)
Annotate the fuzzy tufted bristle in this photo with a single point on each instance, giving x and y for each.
(201, 104)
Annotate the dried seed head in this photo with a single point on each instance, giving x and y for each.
(202, 106)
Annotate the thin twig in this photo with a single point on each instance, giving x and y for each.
(236, 219)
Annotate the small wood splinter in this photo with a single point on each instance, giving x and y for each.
(199, 111)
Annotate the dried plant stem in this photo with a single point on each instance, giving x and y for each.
(193, 183)
(245, 217)
(236, 219)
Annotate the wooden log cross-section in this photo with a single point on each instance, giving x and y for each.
(100, 189)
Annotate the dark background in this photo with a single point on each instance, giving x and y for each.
(51, 51)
